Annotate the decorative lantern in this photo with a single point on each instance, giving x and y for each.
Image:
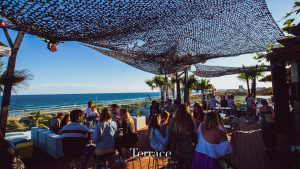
(3, 24)
(52, 46)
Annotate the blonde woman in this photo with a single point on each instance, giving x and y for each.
(128, 137)
(212, 143)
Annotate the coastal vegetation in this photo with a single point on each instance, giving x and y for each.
(20, 79)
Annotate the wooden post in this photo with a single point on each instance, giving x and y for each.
(295, 77)
(9, 81)
(167, 88)
(178, 90)
(186, 87)
(281, 98)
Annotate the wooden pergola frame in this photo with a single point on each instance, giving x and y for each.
(9, 77)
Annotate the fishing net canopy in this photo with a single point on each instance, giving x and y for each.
(152, 35)
(209, 71)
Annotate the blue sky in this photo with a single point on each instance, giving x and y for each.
(78, 69)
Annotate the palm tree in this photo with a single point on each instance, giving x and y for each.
(202, 85)
(21, 78)
(158, 82)
(192, 81)
(250, 76)
(243, 77)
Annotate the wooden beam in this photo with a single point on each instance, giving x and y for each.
(10, 42)
(295, 30)
(9, 81)
(289, 42)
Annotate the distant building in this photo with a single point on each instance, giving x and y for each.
(241, 88)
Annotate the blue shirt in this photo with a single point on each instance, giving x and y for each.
(157, 141)
(103, 135)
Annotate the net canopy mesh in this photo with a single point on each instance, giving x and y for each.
(152, 35)
(216, 71)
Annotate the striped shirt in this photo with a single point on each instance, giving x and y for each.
(74, 130)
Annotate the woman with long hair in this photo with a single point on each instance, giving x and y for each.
(104, 131)
(65, 121)
(157, 140)
(182, 137)
(212, 143)
(129, 136)
(198, 114)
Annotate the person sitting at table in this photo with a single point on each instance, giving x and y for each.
(75, 129)
(182, 137)
(55, 124)
(198, 114)
(128, 137)
(90, 113)
(212, 144)
(65, 121)
(212, 102)
(104, 132)
(156, 138)
(164, 124)
(223, 102)
(115, 114)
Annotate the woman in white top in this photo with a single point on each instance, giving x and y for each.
(212, 143)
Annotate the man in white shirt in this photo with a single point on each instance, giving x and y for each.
(213, 102)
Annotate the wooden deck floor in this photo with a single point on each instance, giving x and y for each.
(248, 149)
(248, 152)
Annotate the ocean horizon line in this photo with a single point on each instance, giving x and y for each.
(80, 93)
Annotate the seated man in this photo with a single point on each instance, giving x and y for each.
(75, 129)
(75, 135)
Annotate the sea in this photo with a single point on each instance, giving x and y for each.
(20, 104)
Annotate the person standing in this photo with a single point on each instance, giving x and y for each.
(115, 114)
(170, 107)
(268, 126)
(198, 114)
(213, 102)
(182, 137)
(90, 114)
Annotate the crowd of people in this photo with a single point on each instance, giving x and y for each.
(103, 131)
(195, 140)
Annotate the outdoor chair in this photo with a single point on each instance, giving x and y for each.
(104, 155)
(73, 149)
